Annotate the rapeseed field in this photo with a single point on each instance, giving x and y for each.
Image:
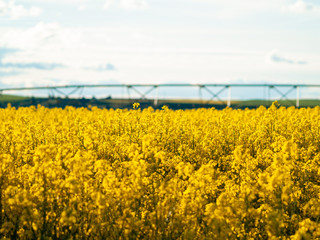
(145, 174)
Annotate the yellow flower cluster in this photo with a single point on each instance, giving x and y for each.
(145, 174)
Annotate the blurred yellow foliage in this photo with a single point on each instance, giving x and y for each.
(145, 174)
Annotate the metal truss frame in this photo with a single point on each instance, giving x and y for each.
(144, 95)
(284, 95)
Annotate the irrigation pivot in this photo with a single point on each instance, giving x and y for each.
(215, 95)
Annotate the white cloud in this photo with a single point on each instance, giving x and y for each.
(276, 57)
(128, 4)
(107, 4)
(303, 7)
(15, 11)
(42, 35)
(29, 38)
(48, 46)
(134, 4)
(82, 7)
(230, 9)
(56, 1)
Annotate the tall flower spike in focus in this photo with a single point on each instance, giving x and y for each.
(136, 105)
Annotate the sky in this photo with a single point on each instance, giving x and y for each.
(60, 42)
